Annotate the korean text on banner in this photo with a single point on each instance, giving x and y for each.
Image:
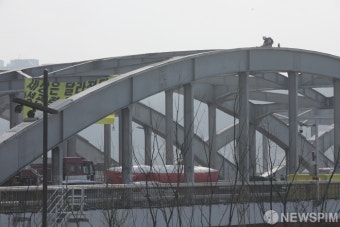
(33, 88)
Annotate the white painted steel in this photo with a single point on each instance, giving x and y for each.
(78, 112)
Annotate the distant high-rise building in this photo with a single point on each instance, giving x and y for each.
(22, 63)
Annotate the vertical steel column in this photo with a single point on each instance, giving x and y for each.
(252, 150)
(107, 146)
(212, 136)
(14, 118)
(57, 165)
(188, 134)
(120, 126)
(169, 132)
(265, 153)
(147, 146)
(71, 146)
(292, 156)
(126, 140)
(243, 145)
(336, 125)
(243, 150)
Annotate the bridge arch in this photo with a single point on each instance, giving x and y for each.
(133, 86)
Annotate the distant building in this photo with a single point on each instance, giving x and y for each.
(22, 63)
(2, 64)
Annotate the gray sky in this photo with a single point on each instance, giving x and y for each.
(66, 31)
(56, 31)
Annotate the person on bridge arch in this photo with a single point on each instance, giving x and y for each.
(267, 42)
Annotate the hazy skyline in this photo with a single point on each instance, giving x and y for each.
(67, 31)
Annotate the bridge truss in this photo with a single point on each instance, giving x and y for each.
(268, 90)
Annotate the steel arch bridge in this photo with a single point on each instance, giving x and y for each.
(269, 90)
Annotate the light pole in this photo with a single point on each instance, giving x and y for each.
(46, 110)
(45, 148)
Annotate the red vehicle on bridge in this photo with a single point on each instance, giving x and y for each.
(74, 168)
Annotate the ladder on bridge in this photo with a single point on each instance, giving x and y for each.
(65, 205)
(57, 208)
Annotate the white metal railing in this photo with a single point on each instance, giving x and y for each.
(105, 196)
(57, 206)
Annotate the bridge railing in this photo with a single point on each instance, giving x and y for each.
(152, 194)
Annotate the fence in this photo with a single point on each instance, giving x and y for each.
(153, 194)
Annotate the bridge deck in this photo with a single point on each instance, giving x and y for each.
(98, 197)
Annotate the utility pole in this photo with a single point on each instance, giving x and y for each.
(46, 110)
(45, 148)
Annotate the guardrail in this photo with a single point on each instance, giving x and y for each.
(153, 194)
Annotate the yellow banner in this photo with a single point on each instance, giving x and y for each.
(33, 88)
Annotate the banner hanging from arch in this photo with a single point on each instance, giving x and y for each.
(33, 89)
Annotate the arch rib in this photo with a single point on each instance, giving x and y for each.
(133, 86)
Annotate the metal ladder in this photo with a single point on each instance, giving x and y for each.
(57, 210)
